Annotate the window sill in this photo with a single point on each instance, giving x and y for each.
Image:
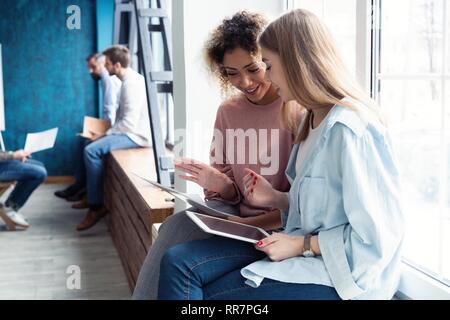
(416, 285)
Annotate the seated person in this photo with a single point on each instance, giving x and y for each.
(29, 174)
(111, 94)
(131, 129)
(234, 58)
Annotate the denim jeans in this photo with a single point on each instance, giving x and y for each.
(29, 175)
(210, 270)
(80, 168)
(176, 229)
(93, 160)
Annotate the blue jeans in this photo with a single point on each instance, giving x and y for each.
(176, 229)
(93, 160)
(80, 168)
(29, 175)
(210, 270)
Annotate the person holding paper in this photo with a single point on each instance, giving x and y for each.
(131, 130)
(29, 174)
(344, 225)
(111, 86)
(254, 107)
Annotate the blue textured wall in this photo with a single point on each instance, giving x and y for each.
(45, 77)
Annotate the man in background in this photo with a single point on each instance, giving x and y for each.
(131, 129)
(110, 85)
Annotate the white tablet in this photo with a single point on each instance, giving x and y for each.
(194, 200)
(226, 228)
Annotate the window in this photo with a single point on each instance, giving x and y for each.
(412, 87)
(399, 50)
(340, 18)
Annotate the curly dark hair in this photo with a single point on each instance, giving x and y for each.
(240, 31)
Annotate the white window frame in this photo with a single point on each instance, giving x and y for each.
(414, 284)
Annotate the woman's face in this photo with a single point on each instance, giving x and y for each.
(246, 73)
(275, 74)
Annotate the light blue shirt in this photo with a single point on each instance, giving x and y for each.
(348, 193)
(111, 86)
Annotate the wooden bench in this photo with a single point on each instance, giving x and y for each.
(134, 206)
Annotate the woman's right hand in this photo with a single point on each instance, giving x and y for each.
(204, 175)
(21, 155)
(258, 191)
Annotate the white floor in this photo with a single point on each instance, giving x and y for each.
(34, 263)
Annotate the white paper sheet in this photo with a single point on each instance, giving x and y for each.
(41, 140)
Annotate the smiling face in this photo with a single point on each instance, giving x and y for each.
(246, 74)
(275, 74)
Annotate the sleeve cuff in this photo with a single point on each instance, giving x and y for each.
(331, 243)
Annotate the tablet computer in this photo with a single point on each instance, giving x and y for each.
(226, 228)
(194, 200)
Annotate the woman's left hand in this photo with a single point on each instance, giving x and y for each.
(280, 246)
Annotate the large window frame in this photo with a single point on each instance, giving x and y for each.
(415, 282)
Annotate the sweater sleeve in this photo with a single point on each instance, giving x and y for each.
(218, 161)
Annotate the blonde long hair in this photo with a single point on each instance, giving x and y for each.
(315, 72)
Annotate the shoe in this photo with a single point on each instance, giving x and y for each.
(13, 219)
(77, 196)
(91, 219)
(68, 192)
(83, 204)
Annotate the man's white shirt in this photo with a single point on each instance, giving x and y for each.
(132, 115)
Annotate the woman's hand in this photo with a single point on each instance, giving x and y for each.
(204, 175)
(260, 193)
(280, 246)
(21, 155)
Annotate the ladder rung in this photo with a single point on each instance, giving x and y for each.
(153, 13)
(165, 87)
(155, 28)
(124, 7)
(161, 76)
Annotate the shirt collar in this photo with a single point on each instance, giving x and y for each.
(127, 74)
(353, 119)
(104, 74)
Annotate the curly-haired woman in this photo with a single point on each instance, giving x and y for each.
(233, 56)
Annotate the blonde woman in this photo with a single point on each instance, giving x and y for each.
(233, 56)
(344, 226)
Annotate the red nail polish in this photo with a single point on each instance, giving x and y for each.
(254, 182)
(259, 244)
(252, 191)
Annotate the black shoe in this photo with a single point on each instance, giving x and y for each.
(77, 196)
(68, 192)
